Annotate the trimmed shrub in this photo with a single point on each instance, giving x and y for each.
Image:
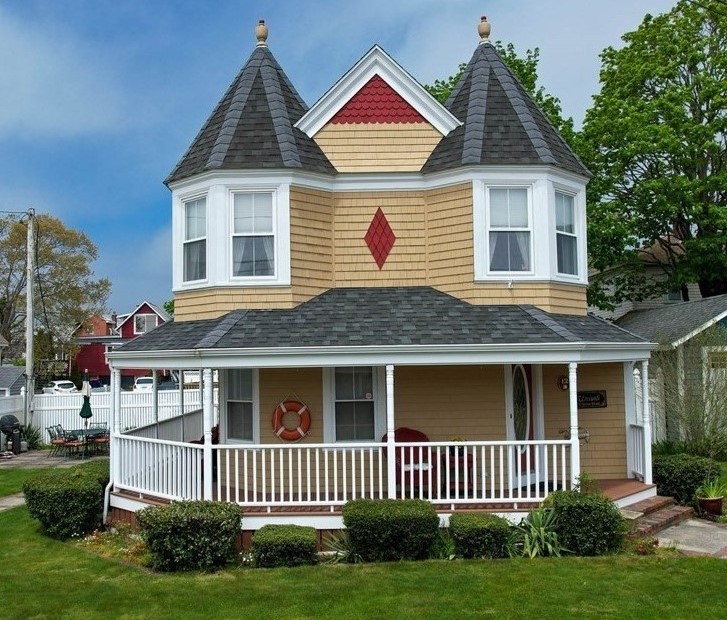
(284, 545)
(381, 530)
(67, 502)
(679, 475)
(190, 535)
(480, 535)
(586, 523)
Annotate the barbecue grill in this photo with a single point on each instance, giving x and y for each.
(11, 427)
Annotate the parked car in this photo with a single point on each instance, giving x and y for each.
(143, 384)
(63, 386)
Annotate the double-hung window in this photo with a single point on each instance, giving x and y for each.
(566, 238)
(253, 237)
(354, 408)
(509, 229)
(239, 422)
(195, 240)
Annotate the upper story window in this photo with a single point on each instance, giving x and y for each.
(565, 234)
(509, 229)
(253, 236)
(144, 323)
(195, 240)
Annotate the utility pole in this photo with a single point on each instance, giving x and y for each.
(29, 319)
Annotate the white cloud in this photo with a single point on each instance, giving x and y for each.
(51, 84)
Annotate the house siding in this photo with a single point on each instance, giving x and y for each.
(604, 455)
(378, 147)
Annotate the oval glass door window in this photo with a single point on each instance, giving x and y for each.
(520, 404)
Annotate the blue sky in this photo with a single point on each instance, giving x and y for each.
(100, 98)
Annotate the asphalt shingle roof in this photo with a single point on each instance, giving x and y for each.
(252, 126)
(673, 322)
(377, 317)
(502, 124)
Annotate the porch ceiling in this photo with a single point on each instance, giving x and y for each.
(396, 325)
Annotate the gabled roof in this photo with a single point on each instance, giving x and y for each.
(501, 122)
(253, 126)
(160, 312)
(376, 62)
(674, 324)
(12, 378)
(371, 317)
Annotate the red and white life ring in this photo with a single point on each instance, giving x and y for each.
(291, 434)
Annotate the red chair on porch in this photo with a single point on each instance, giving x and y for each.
(414, 463)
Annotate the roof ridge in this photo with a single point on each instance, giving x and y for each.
(476, 111)
(549, 321)
(234, 111)
(279, 112)
(221, 329)
(510, 85)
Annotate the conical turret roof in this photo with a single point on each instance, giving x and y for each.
(252, 126)
(501, 122)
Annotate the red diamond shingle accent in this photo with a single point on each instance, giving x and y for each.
(377, 102)
(380, 238)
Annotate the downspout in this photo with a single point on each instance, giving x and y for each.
(390, 439)
(115, 427)
(575, 456)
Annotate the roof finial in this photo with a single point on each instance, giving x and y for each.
(483, 28)
(261, 33)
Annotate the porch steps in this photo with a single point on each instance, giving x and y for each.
(653, 515)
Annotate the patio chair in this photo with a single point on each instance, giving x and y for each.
(56, 441)
(71, 444)
(415, 464)
(99, 442)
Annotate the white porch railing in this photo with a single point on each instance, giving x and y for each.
(172, 470)
(636, 437)
(485, 472)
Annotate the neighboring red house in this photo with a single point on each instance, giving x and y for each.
(99, 334)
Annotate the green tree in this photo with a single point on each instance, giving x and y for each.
(66, 292)
(656, 140)
(526, 70)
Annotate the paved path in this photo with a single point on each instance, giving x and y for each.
(696, 536)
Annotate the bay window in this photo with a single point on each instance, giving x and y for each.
(195, 240)
(253, 237)
(565, 234)
(509, 229)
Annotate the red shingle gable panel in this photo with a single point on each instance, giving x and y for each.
(377, 102)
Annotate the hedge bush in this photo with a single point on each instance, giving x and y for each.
(284, 545)
(586, 524)
(479, 535)
(389, 529)
(68, 502)
(190, 535)
(679, 475)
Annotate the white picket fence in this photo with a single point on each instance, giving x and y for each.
(136, 408)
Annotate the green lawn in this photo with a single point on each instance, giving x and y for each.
(11, 480)
(42, 578)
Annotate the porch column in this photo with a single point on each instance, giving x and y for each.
(575, 449)
(647, 420)
(390, 439)
(207, 405)
(115, 464)
(181, 403)
(155, 402)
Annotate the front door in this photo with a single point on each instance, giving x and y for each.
(521, 412)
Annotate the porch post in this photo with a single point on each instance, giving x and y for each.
(647, 420)
(115, 465)
(181, 402)
(155, 402)
(575, 450)
(390, 439)
(206, 382)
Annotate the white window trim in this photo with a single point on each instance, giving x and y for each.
(256, 280)
(146, 314)
(185, 200)
(255, 409)
(329, 405)
(576, 235)
(579, 215)
(489, 273)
